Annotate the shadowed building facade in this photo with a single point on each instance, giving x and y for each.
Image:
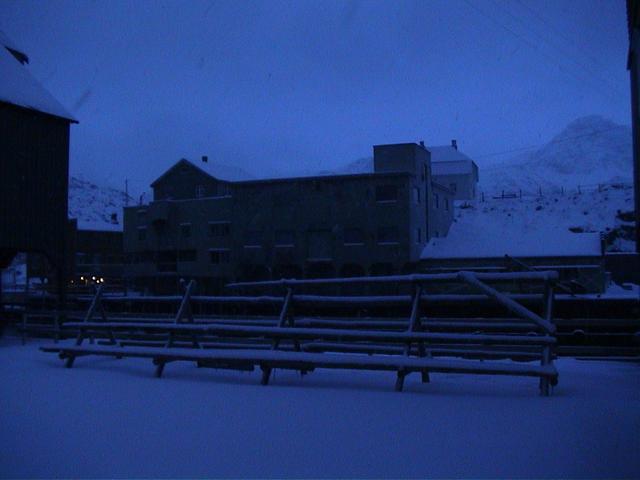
(34, 165)
(215, 231)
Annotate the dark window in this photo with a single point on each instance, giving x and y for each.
(436, 200)
(285, 238)
(388, 235)
(446, 203)
(219, 256)
(185, 230)
(386, 193)
(200, 191)
(253, 238)
(142, 233)
(319, 244)
(454, 187)
(353, 236)
(416, 195)
(219, 229)
(418, 235)
(187, 255)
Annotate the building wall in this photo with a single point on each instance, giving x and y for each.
(464, 186)
(341, 225)
(34, 172)
(633, 15)
(441, 213)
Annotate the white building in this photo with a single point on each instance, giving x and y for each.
(453, 169)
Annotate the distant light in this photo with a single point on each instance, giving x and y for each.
(101, 280)
(82, 278)
(93, 278)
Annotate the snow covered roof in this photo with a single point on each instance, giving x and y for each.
(19, 87)
(447, 160)
(494, 243)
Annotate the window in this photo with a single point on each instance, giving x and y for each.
(320, 243)
(386, 193)
(218, 256)
(388, 235)
(353, 236)
(200, 191)
(453, 187)
(185, 230)
(418, 235)
(219, 229)
(416, 195)
(446, 204)
(187, 255)
(142, 234)
(285, 238)
(436, 200)
(253, 238)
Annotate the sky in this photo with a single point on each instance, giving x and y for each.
(283, 87)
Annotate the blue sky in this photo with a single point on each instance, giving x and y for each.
(277, 87)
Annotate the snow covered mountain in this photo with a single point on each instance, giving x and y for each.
(96, 207)
(589, 151)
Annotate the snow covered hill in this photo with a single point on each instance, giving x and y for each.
(589, 151)
(96, 207)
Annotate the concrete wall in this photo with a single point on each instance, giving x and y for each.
(464, 186)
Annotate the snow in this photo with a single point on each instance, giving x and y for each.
(446, 153)
(19, 87)
(94, 206)
(112, 418)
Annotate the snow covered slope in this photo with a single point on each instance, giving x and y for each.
(95, 206)
(589, 151)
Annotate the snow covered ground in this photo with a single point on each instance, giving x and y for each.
(112, 418)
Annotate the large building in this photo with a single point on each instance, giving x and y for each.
(199, 226)
(452, 168)
(34, 165)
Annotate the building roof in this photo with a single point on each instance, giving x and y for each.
(496, 243)
(18, 87)
(447, 160)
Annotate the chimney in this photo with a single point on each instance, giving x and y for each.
(422, 143)
(205, 159)
(454, 144)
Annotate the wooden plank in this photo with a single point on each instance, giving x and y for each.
(322, 333)
(298, 360)
(406, 279)
(514, 307)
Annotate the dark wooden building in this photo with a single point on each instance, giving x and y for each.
(34, 165)
(633, 65)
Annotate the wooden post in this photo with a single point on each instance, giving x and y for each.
(547, 353)
(282, 320)
(414, 318)
(183, 310)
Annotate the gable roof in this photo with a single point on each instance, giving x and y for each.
(18, 87)
(179, 163)
(447, 160)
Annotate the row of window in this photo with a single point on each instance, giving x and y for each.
(284, 238)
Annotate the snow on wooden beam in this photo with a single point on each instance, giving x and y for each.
(511, 305)
(415, 278)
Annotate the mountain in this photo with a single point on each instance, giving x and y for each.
(96, 207)
(589, 151)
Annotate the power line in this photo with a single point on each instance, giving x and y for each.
(569, 54)
(553, 142)
(535, 47)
